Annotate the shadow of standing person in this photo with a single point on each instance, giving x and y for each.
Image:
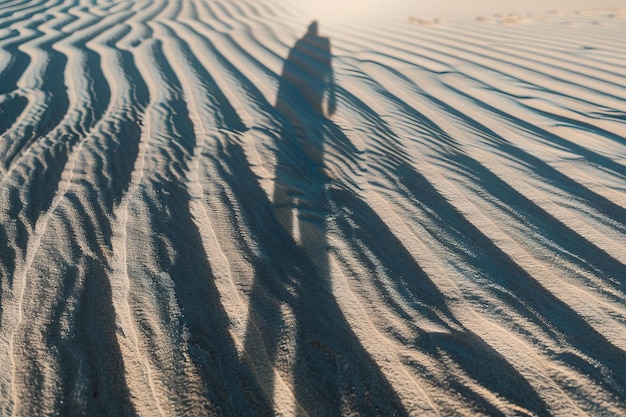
(299, 193)
(296, 331)
(332, 372)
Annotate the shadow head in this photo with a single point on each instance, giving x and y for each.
(313, 28)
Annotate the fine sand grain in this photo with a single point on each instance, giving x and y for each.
(213, 207)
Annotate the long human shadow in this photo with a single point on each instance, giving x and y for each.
(300, 182)
(332, 372)
(301, 206)
(299, 161)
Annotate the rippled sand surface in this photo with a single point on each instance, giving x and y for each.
(213, 207)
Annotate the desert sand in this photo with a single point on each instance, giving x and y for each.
(242, 208)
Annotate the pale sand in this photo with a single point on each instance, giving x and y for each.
(188, 228)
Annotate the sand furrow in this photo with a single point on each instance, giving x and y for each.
(459, 53)
(51, 220)
(230, 207)
(133, 305)
(32, 246)
(453, 131)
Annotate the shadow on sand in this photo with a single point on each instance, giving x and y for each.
(300, 187)
(332, 372)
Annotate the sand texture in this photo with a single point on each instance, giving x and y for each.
(218, 207)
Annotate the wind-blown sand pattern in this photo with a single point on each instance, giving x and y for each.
(206, 210)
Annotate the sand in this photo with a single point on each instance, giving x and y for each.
(224, 208)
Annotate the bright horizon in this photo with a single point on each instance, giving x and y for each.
(452, 9)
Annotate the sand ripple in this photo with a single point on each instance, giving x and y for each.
(200, 216)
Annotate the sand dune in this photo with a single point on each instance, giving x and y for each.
(219, 208)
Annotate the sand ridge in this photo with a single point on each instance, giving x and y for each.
(219, 208)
